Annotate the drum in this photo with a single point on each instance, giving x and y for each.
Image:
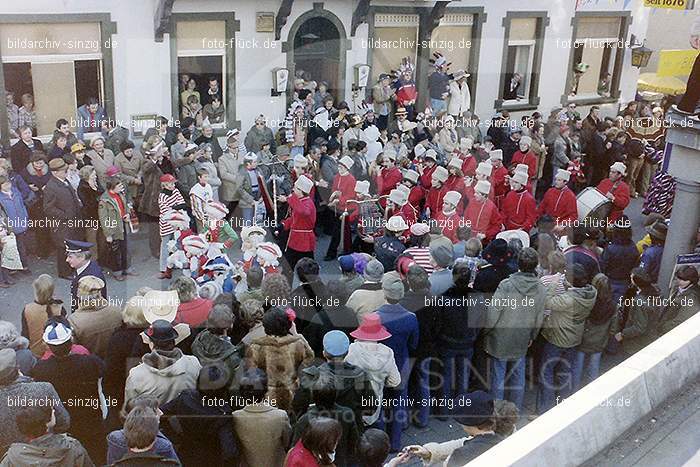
(592, 204)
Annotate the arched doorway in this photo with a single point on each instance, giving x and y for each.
(317, 44)
(317, 51)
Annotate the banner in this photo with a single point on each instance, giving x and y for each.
(670, 4)
(676, 62)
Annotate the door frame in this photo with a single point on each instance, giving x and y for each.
(344, 44)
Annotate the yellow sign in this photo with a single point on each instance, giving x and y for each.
(676, 62)
(672, 4)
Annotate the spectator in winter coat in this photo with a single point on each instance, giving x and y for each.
(165, 371)
(141, 430)
(118, 445)
(258, 135)
(651, 257)
(193, 310)
(563, 332)
(352, 384)
(640, 305)
(458, 325)
(76, 378)
(95, 319)
(511, 327)
(619, 258)
(442, 257)
(309, 297)
(498, 258)
(262, 431)
(416, 300)
(13, 385)
(403, 327)
(41, 445)
(213, 345)
(369, 296)
(325, 397)
(684, 299)
(375, 358)
(202, 431)
(334, 314)
(600, 326)
(279, 353)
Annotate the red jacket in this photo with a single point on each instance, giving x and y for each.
(621, 194)
(456, 183)
(301, 224)
(483, 217)
(499, 185)
(409, 214)
(387, 181)
(299, 456)
(194, 312)
(528, 158)
(425, 179)
(345, 184)
(519, 210)
(416, 197)
(469, 165)
(449, 224)
(560, 204)
(433, 200)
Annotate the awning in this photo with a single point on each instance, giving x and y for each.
(665, 84)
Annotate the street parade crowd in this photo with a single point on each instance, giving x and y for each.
(474, 263)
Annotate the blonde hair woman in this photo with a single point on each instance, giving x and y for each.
(36, 313)
(118, 359)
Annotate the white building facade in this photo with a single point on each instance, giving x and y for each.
(131, 54)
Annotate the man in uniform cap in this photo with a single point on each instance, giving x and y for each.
(482, 173)
(416, 194)
(525, 155)
(519, 206)
(429, 166)
(62, 206)
(78, 257)
(616, 190)
(559, 202)
(482, 215)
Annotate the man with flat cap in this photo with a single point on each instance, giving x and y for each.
(79, 258)
(62, 209)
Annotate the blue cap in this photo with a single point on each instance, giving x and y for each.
(347, 263)
(336, 343)
(76, 246)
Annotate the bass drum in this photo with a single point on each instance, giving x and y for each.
(592, 204)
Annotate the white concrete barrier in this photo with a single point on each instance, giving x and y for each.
(590, 420)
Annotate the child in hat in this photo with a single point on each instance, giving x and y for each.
(482, 215)
(559, 202)
(168, 199)
(448, 219)
(437, 190)
(519, 206)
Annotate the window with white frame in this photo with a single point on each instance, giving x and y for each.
(56, 67)
(201, 71)
(518, 69)
(596, 46)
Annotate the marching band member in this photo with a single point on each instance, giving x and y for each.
(216, 229)
(301, 241)
(398, 205)
(448, 219)
(416, 195)
(388, 177)
(482, 173)
(427, 168)
(499, 181)
(524, 155)
(482, 214)
(616, 190)
(524, 168)
(455, 182)
(366, 214)
(519, 206)
(437, 190)
(342, 190)
(464, 152)
(559, 202)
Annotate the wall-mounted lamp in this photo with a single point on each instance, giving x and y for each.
(360, 76)
(640, 53)
(280, 78)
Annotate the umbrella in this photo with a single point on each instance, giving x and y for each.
(665, 84)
